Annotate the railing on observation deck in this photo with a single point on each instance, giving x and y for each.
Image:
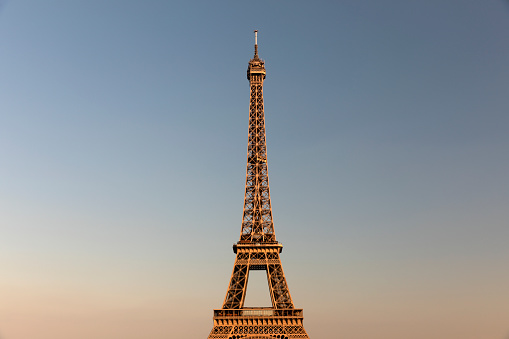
(259, 312)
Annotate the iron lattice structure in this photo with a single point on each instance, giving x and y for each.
(257, 248)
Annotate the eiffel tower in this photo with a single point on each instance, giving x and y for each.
(257, 248)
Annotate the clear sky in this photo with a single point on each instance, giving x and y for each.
(123, 134)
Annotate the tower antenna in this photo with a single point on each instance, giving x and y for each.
(256, 42)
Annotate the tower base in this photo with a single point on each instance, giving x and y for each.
(258, 323)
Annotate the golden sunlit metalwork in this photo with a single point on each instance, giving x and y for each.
(257, 248)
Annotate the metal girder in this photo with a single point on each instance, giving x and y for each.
(257, 248)
(256, 257)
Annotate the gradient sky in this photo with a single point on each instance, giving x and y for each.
(123, 134)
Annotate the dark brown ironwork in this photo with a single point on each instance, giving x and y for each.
(257, 248)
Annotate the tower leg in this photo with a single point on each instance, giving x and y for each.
(237, 289)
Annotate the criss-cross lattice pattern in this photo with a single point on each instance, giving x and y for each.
(263, 258)
(257, 225)
(258, 332)
(257, 248)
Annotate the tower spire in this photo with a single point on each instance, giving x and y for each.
(256, 43)
(257, 223)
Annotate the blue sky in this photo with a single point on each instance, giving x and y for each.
(123, 133)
